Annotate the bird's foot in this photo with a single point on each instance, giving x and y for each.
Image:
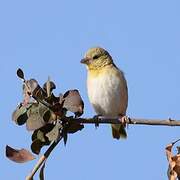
(96, 117)
(124, 120)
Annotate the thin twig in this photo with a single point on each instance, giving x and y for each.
(133, 121)
(42, 159)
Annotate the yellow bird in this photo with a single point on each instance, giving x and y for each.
(107, 87)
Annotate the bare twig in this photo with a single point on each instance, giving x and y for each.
(42, 159)
(133, 121)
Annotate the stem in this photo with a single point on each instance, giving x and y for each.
(42, 159)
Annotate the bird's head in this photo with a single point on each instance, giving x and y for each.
(96, 58)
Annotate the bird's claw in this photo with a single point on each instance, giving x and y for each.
(124, 120)
(96, 117)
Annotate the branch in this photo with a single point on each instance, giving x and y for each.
(42, 159)
(102, 120)
(133, 121)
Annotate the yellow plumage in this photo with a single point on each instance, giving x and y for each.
(107, 88)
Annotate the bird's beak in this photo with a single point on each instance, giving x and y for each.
(85, 60)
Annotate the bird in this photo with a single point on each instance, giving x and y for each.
(107, 88)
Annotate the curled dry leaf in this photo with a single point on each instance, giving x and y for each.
(52, 99)
(58, 109)
(28, 88)
(20, 73)
(39, 138)
(41, 133)
(20, 116)
(174, 163)
(38, 93)
(52, 86)
(54, 134)
(73, 102)
(65, 136)
(31, 84)
(36, 146)
(74, 127)
(18, 156)
(35, 116)
(38, 116)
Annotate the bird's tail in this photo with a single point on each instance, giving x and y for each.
(118, 131)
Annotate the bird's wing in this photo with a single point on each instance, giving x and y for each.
(123, 94)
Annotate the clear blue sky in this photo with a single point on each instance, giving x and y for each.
(50, 37)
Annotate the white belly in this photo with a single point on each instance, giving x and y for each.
(107, 94)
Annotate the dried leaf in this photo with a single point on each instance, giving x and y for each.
(54, 134)
(65, 138)
(61, 99)
(38, 116)
(51, 84)
(174, 163)
(45, 129)
(40, 138)
(74, 127)
(20, 73)
(73, 102)
(46, 114)
(20, 116)
(26, 95)
(35, 119)
(28, 88)
(58, 110)
(41, 134)
(36, 146)
(18, 156)
(38, 93)
(52, 99)
(31, 84)
(41, 174)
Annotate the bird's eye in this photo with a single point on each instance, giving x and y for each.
(95, 57)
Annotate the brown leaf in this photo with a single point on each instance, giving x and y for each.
(20, 73)
(73, 102)
(52, 99)
(36, 146)
(51, 85)
(39, 138)
(54, 134)
(18, 156)
(38, 93)
(28, 88)
(58, 110)
(74, 127)
(174, 162)
(35, 116)
(41, 133)
(31, 85)
(19, 116)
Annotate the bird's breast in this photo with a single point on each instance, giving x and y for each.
(106, 91)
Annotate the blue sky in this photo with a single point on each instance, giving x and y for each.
(50, 37)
